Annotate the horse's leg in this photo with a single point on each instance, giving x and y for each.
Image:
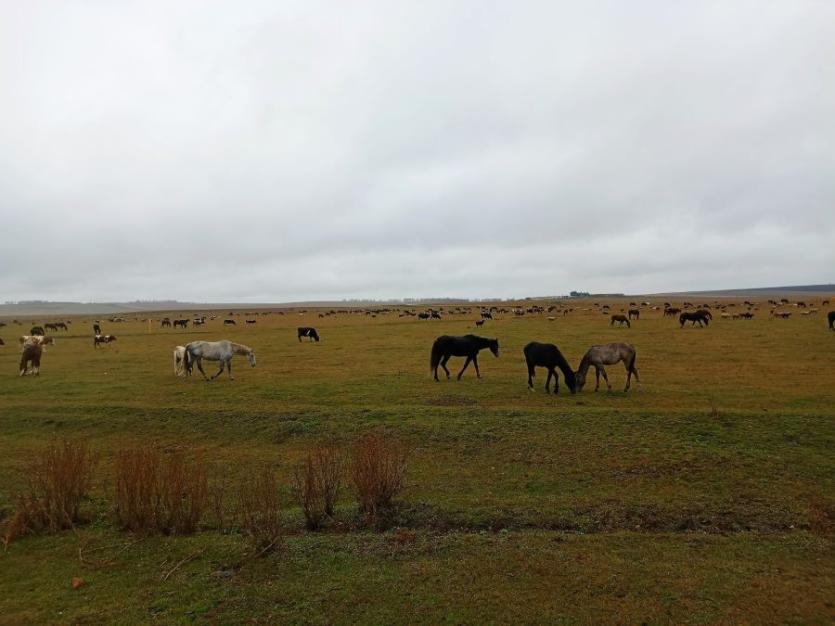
(475, 364)
(220, 371)
(606, 378)
(548, 380)
(200, 367)
(596, 378)
(466, 363)
(531, 374)
(229, 369)
(444, 360)
(628, 375)
(556, 380)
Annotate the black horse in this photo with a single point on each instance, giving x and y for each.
(831, 318)
(696, 316)
(547, 355)
(183, 323)
(307, 331)
(37, 330)
(469, 346)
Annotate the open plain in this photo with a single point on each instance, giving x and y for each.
(706, 494)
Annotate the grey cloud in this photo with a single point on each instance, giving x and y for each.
(296, 150)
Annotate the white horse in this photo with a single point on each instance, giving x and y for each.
(179, 361)
(222, 351)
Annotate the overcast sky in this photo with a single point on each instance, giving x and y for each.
(277, 151)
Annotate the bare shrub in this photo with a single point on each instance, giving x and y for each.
(56, 482)
(378, 469)
(257, 509)
(316, 484)
(218, 490)
(154, 494)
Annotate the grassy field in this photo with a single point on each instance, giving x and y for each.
(706, 495)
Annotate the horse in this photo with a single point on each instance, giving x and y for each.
(179, 361)
(61, 326)
(103, 339)
(222, 351)
(479, 322)
(486, 315)
(31, 354)
(704, 313)
(607, 354)
(35, 340)
(183, 323)
(469, 346)
(549, 356)
(165, 323)
(228, 322)
(671, 311)
(621, 319)
(693, 317)
(636, 313)
(831, 317)
(37, 330)
(52, 327)
(307, 331)
(251, 321)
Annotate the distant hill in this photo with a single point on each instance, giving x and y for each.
(796, 290)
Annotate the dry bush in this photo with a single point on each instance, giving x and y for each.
(316, 484)
(257, 509)
(155, 494)
(56, 482)
(218, 490)
(378, 469)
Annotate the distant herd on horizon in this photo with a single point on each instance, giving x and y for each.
(444, 347)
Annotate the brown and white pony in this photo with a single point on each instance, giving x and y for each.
(35, 340)
(103, 339)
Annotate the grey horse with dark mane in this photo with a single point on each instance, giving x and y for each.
(607, 354)
(222, 351)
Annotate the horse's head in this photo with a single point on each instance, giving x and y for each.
(251, 358)
(579, 381)
(494, 347)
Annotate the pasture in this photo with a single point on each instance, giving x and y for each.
(706, 494)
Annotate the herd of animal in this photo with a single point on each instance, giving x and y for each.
(545, 355)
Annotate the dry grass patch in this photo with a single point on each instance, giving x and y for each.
(378, 470)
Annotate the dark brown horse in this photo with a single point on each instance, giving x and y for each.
(547, 355)
(831, 317)
(31, 355)
(469, 346)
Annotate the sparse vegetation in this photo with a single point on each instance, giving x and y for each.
(316, 484)
(378, 469)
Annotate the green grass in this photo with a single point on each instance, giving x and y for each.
(704, 496)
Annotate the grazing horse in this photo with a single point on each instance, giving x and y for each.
(37, 330)
(549, 356)
(693, 317)
(31, 354)
(229, 322)
(61, 326)
(621, 319)
(636, 313)
(183, 323)
(165, 323)
(52, 327)
(179, 361)
(607, 354)
(222, 351)
(486, 315)
(469, 346)
(103, 339)
(831, 317)
(479, 322)
(307, 331)
(671, 311)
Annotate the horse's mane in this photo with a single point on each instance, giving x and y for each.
(585, 362)
(239, 348)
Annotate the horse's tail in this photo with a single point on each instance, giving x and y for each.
(631, 363)
(435, 356)
(567, 372)
(186, 363)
